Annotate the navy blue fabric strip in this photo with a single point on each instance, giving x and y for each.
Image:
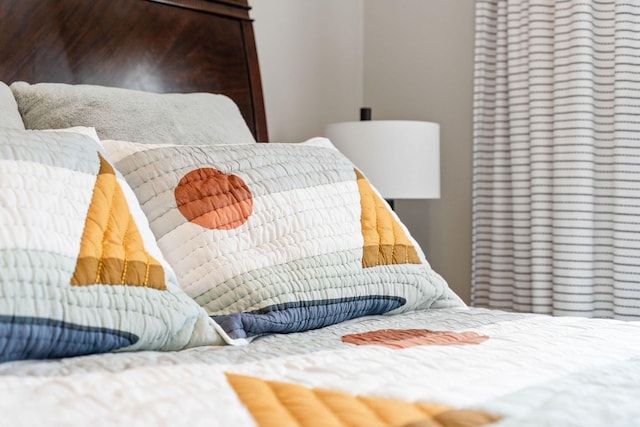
(304, 315)
(41, 338)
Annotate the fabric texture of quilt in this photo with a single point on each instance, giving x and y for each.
(277, 238)
(445, 367)
(80, 270)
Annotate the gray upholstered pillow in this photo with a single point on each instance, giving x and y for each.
(9, 115)
(194, 118)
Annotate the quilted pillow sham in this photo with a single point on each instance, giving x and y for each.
(276, 238)
(81, 272)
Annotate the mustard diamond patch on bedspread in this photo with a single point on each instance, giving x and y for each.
(276, 404)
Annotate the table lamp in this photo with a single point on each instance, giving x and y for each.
(400, 158)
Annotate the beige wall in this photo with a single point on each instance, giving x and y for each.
(311, 61)
(418, 65)
(407, 59)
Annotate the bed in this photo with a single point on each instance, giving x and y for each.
(159, 267)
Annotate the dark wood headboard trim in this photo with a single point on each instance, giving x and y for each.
(259, 114)
(228, 8)
(238, 9)
(154, 45)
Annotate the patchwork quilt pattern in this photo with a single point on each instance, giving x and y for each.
(277, 404)
(120, 257)
(275, 238)
(405, 338)
(81, 272)
(385, 242)
(531, 371)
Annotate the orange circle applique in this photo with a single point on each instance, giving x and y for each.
(214, 199)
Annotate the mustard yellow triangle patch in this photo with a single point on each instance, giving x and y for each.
(275, 404)
(112, 250)
(385, 242)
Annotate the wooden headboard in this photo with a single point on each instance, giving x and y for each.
(153, 45)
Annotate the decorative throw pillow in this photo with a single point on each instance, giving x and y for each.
(193, 118)
(81, 272)
(275, 238)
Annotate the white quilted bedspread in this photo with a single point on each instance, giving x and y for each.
(531, 371)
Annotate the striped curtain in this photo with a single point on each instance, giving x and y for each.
(556, 182)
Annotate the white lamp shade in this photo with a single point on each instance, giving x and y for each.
(400, 158)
